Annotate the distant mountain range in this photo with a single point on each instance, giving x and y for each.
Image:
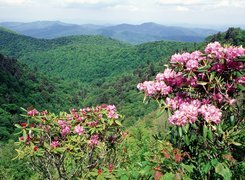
(134, 34)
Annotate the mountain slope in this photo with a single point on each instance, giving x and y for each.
(234, 36)
(22, 87)
(84, 57)
(135, 34)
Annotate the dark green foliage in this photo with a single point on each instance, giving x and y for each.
(22, 87)
(14, 169)
(234, 36)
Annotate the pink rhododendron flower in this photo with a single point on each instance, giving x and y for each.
(62, 123)
(33, 112)
(111, 108)
(94, 140)
(211, 113)
(65, 130)
(55, 144)
(215, 49)
(44, 112)
(218, 97)
(192, 64)
(78, 130)
(240, 80)
(148, 87)
(162, 88)
(170, 77)
(218, 67)
(187, 113)
(92, 123)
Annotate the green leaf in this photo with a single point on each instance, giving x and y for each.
(205, 129)
(202, 83)
(124, 177)
(214, 162)
(236, 143)
(206, 168)
(210, 134)
(168, 176)
(18, 126)
(118, 122)
(186, 128)
(232, 118)
(24, 134)
(223, 170)
(180, 131)
(187, 140)
(188, 168)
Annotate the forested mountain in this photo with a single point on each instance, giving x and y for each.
(135, 34)
(94, 69)
(85, 58)
(22, 87)
(234, 36)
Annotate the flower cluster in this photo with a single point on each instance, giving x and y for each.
(210, 113)
(84, 122)
(195, 86)
(91, 133)
(188, 60)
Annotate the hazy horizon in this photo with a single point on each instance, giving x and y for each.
(193, 13)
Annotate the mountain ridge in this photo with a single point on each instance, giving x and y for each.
(134, 34)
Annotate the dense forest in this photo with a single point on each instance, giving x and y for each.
(79, 71)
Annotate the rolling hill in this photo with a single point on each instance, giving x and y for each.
(134, 34)
(85, 58)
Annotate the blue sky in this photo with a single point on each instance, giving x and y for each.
(169, 12)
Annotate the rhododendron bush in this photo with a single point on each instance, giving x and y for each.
(202, 93)
(71, 144)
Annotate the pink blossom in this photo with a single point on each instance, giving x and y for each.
(55, 144)
(215, 49)
(65, 130)
(162, 88)
(62, 123)
(33, 112)
(78, 130)
(240, 80)
(178, 118)
(92, 123)
(192, 64)
(148, 87)
(94, 140)
(83, 111)
(44, 112)
(218, 97)
(170, 77)
(112, 115)
(81, 119)
(234, 52)
(192, 81)
(211, 113)
(187, 113)
(111, 108)
(180, 58)
(219, 67)
(197, 55)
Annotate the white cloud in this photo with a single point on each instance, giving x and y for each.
(87, 1)
(14, 2)
(179, 2)
(182, 9)
(231, 3)
(126, 7)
